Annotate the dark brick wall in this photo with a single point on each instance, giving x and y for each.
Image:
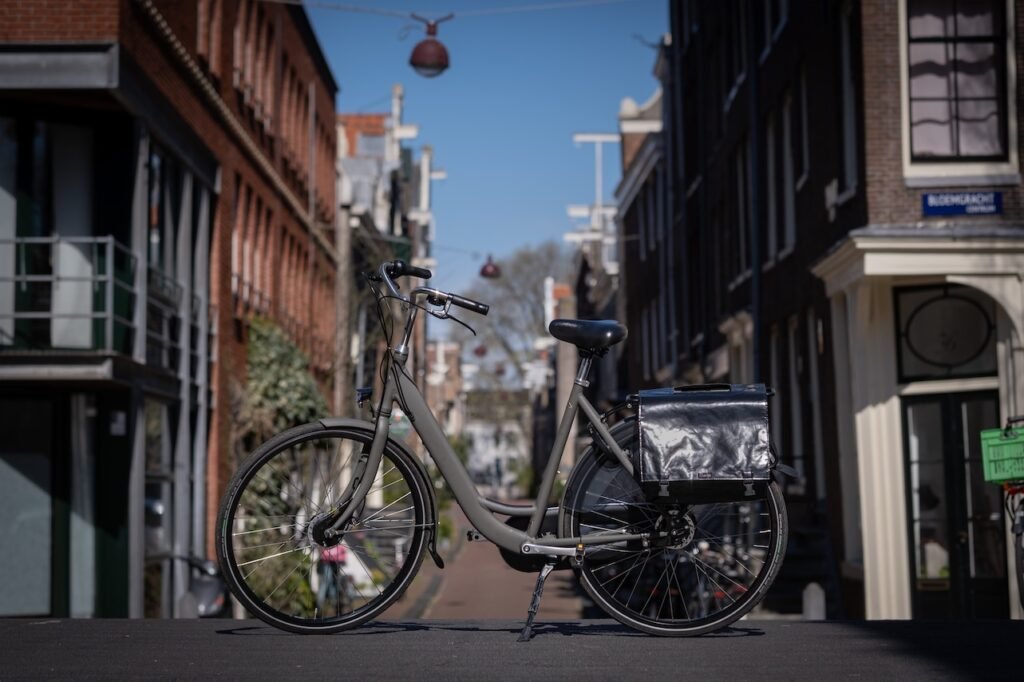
(59, 20)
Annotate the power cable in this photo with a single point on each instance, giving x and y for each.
(490, 11)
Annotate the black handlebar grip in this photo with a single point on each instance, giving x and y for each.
(469, 304)
(422, 273)
(399, 268)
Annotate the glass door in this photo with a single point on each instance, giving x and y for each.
(957, 542)
(26, 508)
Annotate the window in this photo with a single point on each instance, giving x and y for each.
(943, 332)
(741, 181)
(160, 426)
(788, 177)
(957, 71)
(775, 415)
(734, 59)
(771, 191)
(796, 415)
(772, 19)
(798, 131)
(645, 317)
(208, 39)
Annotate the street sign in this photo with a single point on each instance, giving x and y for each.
(961, 203)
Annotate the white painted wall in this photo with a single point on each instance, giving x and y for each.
(8, 220)
(72, 148)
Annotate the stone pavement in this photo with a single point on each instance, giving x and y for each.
(477, 584)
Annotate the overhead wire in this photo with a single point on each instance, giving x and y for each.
(483, 12)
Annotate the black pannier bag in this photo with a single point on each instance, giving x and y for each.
(706, 443)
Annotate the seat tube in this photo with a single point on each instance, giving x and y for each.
(558, 449)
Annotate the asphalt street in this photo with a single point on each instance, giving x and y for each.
(463, 650)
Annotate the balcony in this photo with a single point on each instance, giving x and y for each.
(67, 293)
(79, 295)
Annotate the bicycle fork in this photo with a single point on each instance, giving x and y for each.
(361, 482)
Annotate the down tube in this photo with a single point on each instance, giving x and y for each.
(453, 471)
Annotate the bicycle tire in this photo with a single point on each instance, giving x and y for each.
(718, 578)
(381, 551)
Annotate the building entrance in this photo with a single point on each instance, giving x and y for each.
(956, 533)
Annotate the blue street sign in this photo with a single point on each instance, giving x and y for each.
(962, 203)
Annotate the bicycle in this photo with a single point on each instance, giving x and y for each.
(1002, 454)
(1015, 508)
(664, 568)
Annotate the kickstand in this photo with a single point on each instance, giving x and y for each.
(527, 632)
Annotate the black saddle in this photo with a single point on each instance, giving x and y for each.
(590, 336)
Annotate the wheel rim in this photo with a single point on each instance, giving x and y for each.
(711, 574)
(278, 555)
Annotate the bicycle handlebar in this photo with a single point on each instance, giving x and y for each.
(469, 304)
(399, 268)
(389, 270)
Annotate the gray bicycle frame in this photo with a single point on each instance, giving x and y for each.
(398, 386)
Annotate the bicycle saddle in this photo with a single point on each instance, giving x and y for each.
(590, 336)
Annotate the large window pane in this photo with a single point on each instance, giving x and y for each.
(931, 70)
(979, 17)
(931, 128)
(979, 128)
(930, 18)
(976, 70)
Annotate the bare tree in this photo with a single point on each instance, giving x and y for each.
(516, 318)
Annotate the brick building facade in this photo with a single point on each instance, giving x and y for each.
(842, 214)
(179, 158)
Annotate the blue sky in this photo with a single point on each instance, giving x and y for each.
(501, 118)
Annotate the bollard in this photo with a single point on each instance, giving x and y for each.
(814, 602)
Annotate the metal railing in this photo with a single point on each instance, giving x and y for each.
(81, 294)
(162, 320)
(43, 298)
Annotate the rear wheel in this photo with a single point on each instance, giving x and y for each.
(717, 563)
(272, 540)
(1018, 544)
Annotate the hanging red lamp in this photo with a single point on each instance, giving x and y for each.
(490, 270)
(430, 57)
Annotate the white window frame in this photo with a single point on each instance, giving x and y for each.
(804, 136)
(772, 188)
(788, 181)
(775, 414)
(814, 345)
(796, 417)
(989, 173)
(741, 161)
(645, 317)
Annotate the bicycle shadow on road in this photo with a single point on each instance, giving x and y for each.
(541, 629)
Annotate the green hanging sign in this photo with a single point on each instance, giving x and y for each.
(1002, 453)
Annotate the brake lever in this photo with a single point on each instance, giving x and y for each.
(446, 314)
(452, 317)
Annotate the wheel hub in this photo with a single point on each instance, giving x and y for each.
(679, 528)
(318, 527)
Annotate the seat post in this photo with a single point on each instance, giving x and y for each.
(584, 370)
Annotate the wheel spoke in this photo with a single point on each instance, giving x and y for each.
(294, 579)
(706, 564)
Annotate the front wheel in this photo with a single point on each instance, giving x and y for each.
(275, 553)
(717, 563)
